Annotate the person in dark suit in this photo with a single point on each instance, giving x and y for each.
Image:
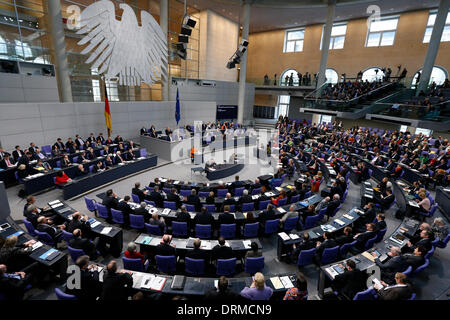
(320, 246)
(100, 137)
(137, 191)
(370, 213)
(204, 217)
(142, 211)
(124, 206)
(90, 154)
(17, 153)
(81, 171)
(118, 158)
(333, 205)
(32, 148)
(223, 292)
(364, 172)
(156, 197)
(400, 291)
(99, 167)
(194, 200)
(70, 145)
(335, 189)
(174, 197)
(82, 157)
(245, 198)
(347, 237)
(267, 214)
(424, 240)
(385, 201)
(396, 262)
(53, 231)
(210, 199)
(165, 248)
(380, 224)
(183, 215)
(65, 162)
(6, 162)
(236, 183)
(110, 201)
(78, 242)
(228, 201)
(222, 251)
(305, 244)
(361, 238)
(351, 281)
(116, 285)
(416, 259)
(90, 286)
(79, 222)
(13, 285)
(197, 253)
(226, 217)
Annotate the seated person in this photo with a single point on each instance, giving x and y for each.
(62, 178)
(416, 259)
(300, 291)
(228, 201)
(132, 253)
(81, 171)
(156, 197)
(255, 252)
(65, 162)
(82, 157)
(110, 201)
(116, 285)
(210, 199)
(222, 251)
(79, 221)
(308, 212)
(380, 224)
(424, 240)
(183, 215)
(194, 199)
(321, 246)
(89, 247)
(53, 231)
(174, 197)
(137, 191)
(258, 289)
(222, 293)
(395, 262)
(204, 217)
(125, 208)
(347, 237)
(385, 201)
(226, 217)
(351, 281)
(13, 285)
(305, 244)
(142, 211)
(155, 220)
(361, 238)
(197, 252)
(400, 291)
(90, 285)
(99, 167)
(165, 248)
(290, 214)
(266, 215)
(282, 195)
(333, 205)
(439, 228)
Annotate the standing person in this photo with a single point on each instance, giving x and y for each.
(275, 79)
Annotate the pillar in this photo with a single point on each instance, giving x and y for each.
(56, 30)
(243, 64)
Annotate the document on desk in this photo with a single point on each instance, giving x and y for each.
(147, 281)
(276, 282)
(54, 202)
(206, 245)
(339, 222)
(333, 273)
(137, 278)
(368, 256)
(279, 189)
(247, 244)
(284, 236)
(165, 212)
(413, 204)
(281, 210)
(255, 197)
(287, 283)
(57, 205)
(106, 230)
(36, 245)
(157, 283)
(147, 240)
(95, 223)
(293, 236)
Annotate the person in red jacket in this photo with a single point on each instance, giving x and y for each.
(131, 252)
(61, 177)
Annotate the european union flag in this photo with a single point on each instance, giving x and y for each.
(177, 109)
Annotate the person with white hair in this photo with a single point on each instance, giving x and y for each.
(439, 228)
(132, 253)
(258, 289)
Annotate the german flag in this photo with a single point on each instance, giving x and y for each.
(107, 114)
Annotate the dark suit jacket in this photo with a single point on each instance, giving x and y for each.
(342, 239)
(197, 254)
(414, 261)
(116, 286)
(48, 229)
(330, 243)
(125, 208)
(395, 293)
(80, 243)
(228, 202)
(362, 239)
(226, 218)
(16, 155)
(195, 200)
(203, 218)
(332, 205)
(157, 198)
(210, 200)
(163, 249)
(90, 287)
(13, 289)
(142, 212)
(183, 216)
(174, 198)
(84, 226)
(350, 283)
(222, 252)
(139, 193)
(266, 215)
(110, 202)
(390, 267)
(380, 225)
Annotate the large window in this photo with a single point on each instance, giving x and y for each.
(429, 29)
(3, 46)
(382, 32)
(293, 40)
(288, 73)
(111, 89)
(438, 75)
(337, 36)
(332, 76)
(283, 106)
(372, 74)
(23, 49)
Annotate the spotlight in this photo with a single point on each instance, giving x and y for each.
(182, 38)
(186, 31)
(188, 21)
(244, 43)
(231, 64)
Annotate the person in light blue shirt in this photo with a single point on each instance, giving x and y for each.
(258, 289)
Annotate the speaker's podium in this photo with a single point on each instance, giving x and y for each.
(198, 158)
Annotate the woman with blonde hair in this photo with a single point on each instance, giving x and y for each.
(258, 289)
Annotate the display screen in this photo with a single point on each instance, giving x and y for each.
(425, 132)
(226, 112)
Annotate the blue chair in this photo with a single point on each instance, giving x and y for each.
(75, 253)
(430, 253)
(47, 149)
(263, 204)
(420, 269)
(179, 229)
(232, 207)
(143, 152)
(167, 190)
(370, 173)
(221, 193)
(226, 267)
(250, 206)
(166, 264)
(256, 191)
(16, 174)
(276, 183)
(442, 244)
(380, 235)
(30, 227)
(345, 248)
(75, 159)
(282, 202)
(67, 236)
(194, 267)
(186, 192)
(369, 294)
(306, 257)
(271, 226)
(203, 231)
(210, 207)
(149, 188)
(238, 192)
(102, 211)
(251, 230)
(135, 198)
(429, 213)
(64, 296)
(152, 203)
(137, 221)
(344, 196)
(153, 229)
(90, 205)
(170, 204)
(228, 231)
(189, 207)
(290, 223)
(117, 216)
(44, 237)
(329, 255)
(133, 264)
(369, 244)
(201, 194)
(295, 198)
(91, 168)
(413, 296)
(254, 265)
(308, 194)
(408, 271)
(310, 222)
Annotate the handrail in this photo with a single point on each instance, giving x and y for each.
(314, 92)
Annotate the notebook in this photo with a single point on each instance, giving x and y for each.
(178, 282)
(49, 254)
(284, 236)
(276, 282)
(106, 230)
(147, 240)
(287, 283)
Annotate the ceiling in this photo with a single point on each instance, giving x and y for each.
(283, 14)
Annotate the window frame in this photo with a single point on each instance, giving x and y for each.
(382, 32)
(427, 26)
(285, 44)
(333, 38)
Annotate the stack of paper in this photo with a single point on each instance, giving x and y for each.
(276, 282)
(165, 212)
(287, 283)
(293, 236)
(95, 223)
(339, 222)
(206, 245)
(284, 236)
(281, 210)
(247, 244)
(106, 230)
(333, 273)
(36, 245)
